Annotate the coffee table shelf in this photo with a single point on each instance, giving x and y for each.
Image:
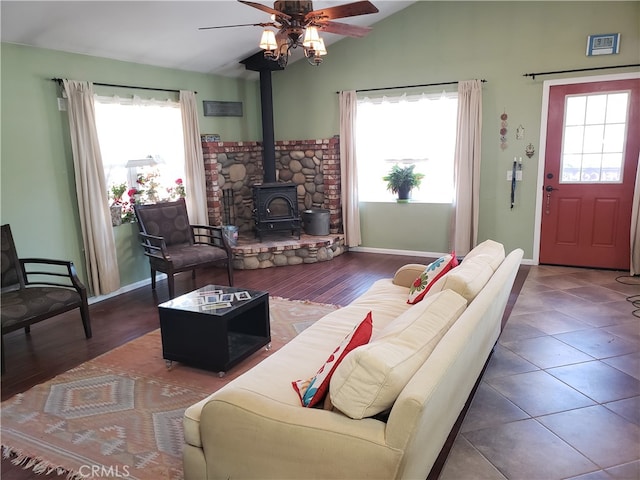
(215, 327)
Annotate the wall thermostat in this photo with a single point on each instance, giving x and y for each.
(603, 44)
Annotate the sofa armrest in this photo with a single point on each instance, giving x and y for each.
(245, 434)
(407, 274)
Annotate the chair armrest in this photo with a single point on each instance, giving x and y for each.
(154, 246)
(68, 272)
(210, 235)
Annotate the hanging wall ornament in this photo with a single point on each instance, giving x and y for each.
(520, 133)
(529, 150)
(503, 131)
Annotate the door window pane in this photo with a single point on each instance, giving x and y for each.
(575, 110)
(594, 135)
(596, 109)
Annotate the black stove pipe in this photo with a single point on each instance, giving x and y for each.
(268, 135)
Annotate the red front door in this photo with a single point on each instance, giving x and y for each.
(592, 148)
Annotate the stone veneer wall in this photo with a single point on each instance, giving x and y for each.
(313, 165)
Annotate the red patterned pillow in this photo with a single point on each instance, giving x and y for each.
(313, 390)
(431, 274)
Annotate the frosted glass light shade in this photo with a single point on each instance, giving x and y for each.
(268, 40)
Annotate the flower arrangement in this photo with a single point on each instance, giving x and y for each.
(147, 190)
(116, 193)
(118, 204)
(177, 191)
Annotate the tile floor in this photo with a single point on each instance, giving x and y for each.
(560, 398)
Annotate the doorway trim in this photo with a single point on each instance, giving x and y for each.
(546, 86)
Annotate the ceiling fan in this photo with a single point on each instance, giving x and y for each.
(299, 25)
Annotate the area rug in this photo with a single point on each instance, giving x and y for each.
(120, 414)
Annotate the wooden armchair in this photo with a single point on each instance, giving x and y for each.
(173, 245)
(34, 289)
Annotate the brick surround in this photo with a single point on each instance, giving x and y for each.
(313, 165)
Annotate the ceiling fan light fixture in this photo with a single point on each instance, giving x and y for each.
(298, 25)
(315, 52)
(268, 41)
(320, 48)
(311, 37)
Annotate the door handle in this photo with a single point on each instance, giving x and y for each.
(548, 189)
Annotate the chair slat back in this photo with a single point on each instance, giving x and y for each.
(11, 271)
(167, 219)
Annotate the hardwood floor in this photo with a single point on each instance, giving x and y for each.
(57, 345)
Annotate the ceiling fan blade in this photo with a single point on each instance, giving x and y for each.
(240, 25)
(264, 8)
(342, 11)
(344, 29)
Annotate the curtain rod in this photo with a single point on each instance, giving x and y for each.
(410, 86)
(534, 75)
(173, 90)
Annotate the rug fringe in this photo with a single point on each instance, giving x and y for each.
(37, 465)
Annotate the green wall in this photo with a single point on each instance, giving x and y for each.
(427, 42)
(447, 41)
(37, 189)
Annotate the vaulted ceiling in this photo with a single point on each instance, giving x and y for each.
(160, 33)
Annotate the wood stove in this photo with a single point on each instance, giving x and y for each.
(275, 208)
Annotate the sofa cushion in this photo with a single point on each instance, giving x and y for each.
(467, 279)
(489, 252)
(314, 389)
(474, 271)
(429, 276)
(371, 377)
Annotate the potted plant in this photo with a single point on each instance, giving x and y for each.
(402, 180)
(116, 206)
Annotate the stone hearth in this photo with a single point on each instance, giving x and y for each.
(283, 250)
(235, 167)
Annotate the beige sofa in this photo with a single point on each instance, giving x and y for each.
(256, 428)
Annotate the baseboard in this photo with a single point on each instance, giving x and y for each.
(414, 253)
(125, 289)
(388, 251)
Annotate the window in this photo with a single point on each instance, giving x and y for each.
(594, 138)
(415, 130)
(142, 148)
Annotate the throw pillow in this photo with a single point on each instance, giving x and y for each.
(429, 276)
(371, 377)
(313, 390)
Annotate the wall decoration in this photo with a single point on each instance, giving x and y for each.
(520, 132)
(222, 109)
(603, 44)
(530, 150)
(210, 137)
(503, 131)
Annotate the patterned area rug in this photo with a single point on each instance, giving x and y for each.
(120, 414)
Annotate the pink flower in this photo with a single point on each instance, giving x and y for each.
(179, 181)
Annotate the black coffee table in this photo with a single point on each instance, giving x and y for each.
(214, 327)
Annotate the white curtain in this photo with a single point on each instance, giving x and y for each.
(195, 182)
(464, 233)
(348, 168)
(635, 227)
(91, 190)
